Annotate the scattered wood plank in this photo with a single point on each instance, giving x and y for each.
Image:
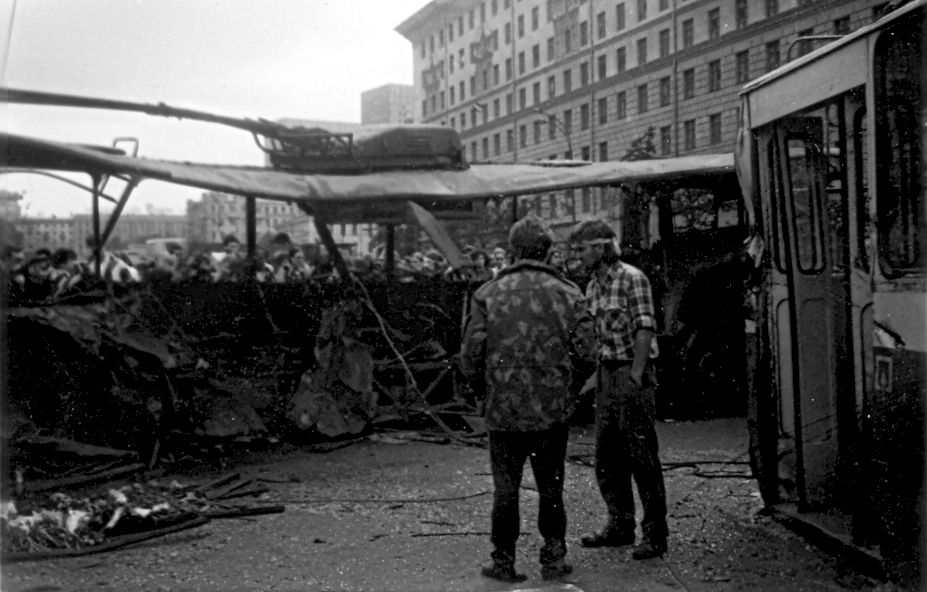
(86, 479)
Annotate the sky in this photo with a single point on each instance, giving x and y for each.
(307, 59)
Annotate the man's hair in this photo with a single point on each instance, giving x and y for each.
(230, 238)
(530, 238)
(597, 230)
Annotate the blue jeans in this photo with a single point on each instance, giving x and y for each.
(507, 454)
(625, 447)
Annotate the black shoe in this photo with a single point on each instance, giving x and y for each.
(608, 537)
(556, 569)
(503, 572)
(649, 550)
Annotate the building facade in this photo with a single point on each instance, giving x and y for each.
(390, 103)
(522, 80)
(217, 215)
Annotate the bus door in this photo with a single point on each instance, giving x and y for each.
(811, 293)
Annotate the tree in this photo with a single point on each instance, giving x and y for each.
(642, 147)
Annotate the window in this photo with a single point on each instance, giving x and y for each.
(688, 83)
(666, 140)
(772, 8)
(568, 40)
(714, 75)
(473, 155)
(508, 69)
(460, 59)
(664, 5)
(551, 53)
(536, 56)
(585, 152)
(742, 66)
(619, 17)
(583, 34)
(450, 64)
(522, 99)
(600, 25)
(641, 52)
(509, 106)
(603, 66)
(740, 14)
(523, 135)
(664, 43)
(460, 26)
(471, 19)
(664, 91)
(507, 33)
(537, 131)
(642, 98)
(688, 132)
(450, 33)
(494, 7)
(536, 93)
(431, 44)
(552, 128)
(901, 213)
(584, 116)
(551, 87)
(521, 25)
(463, 120)
(509, 140)
(602, 108)
(567, 81)
(714, 128)
(603, 151)
(568, 121)
(453, 122)
(483, 12)
(521, 63)
(472, 88)
(485, 143)
(805, 45)
(772, 55)
(842, 25)
(452, 96)
(688, 33)
(535, 18)
(621, 105)
(584, 74)
(621, 58)
(496, 109)
(495, 75)
(496, 144)
(442, 99)
(714, 23)
(641, 10)
(422, 47)
(441, 38)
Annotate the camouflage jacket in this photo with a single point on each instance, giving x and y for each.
(526, 332)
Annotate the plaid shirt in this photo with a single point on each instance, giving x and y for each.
(621, 304)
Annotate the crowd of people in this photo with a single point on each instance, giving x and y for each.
(43, 274)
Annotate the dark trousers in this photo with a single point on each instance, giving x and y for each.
(507, 454)
(626, 446)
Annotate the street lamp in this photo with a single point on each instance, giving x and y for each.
(553, 119)
(559, 125)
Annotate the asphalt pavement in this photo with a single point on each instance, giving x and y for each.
(392, 514)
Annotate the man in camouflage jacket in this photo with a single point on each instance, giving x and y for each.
(527, 331)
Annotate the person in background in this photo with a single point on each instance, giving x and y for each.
(555, 259)
(622, 305)
(498, 260)
(112, 268)
(526, 331)
(37, 283)
(231, 267)
(482, 272)
(302, 270)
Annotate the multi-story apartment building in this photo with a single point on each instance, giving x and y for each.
(217, 215)
(581, 79)
(51, 233)
(390, 103)
(131, 229)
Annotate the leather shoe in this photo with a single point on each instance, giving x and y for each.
(608, 538)
(556, 569)
(503, 572)
(649, 550)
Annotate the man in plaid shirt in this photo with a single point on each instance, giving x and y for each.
(621, 303)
